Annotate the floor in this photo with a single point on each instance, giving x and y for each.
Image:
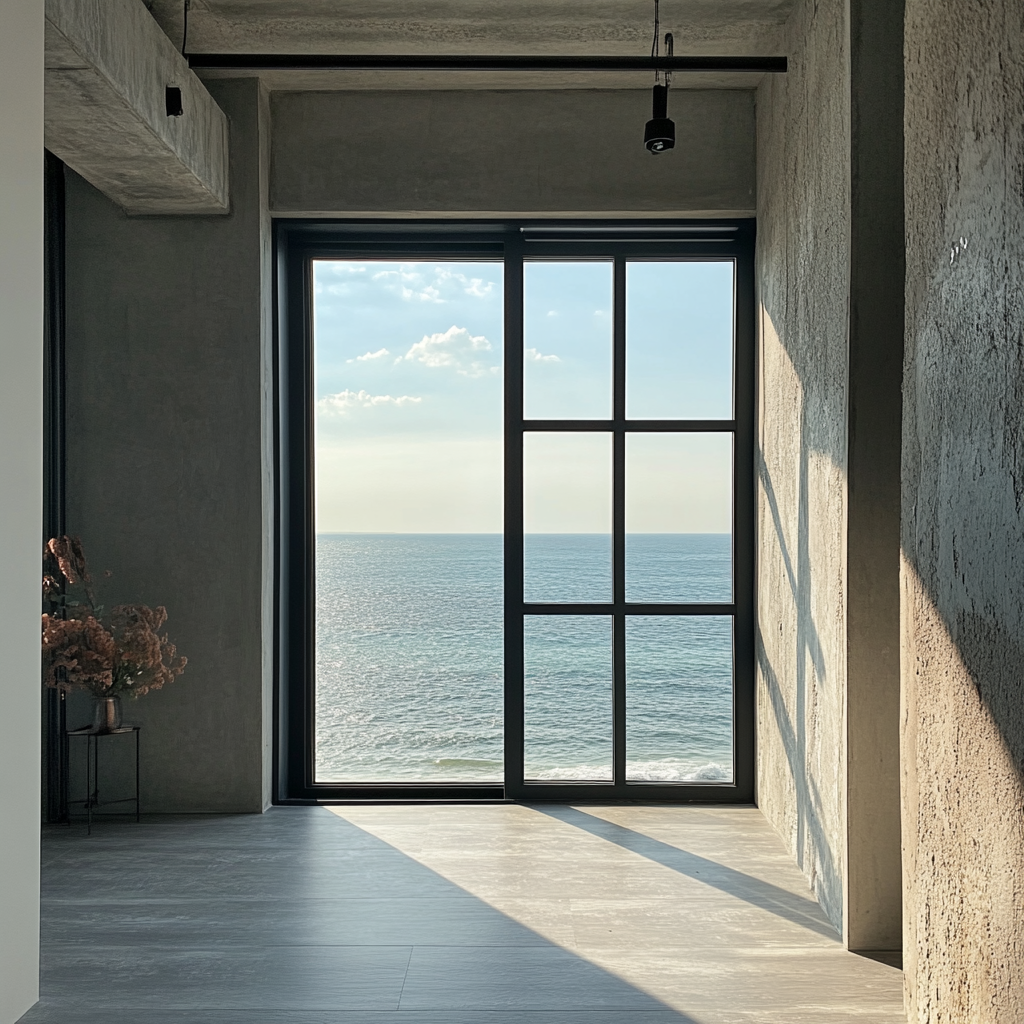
(443, 914)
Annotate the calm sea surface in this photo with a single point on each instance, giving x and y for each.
(409, 659)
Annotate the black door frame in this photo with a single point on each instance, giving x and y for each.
(297, 243)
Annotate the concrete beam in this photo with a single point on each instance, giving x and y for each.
(108, 65)
(573, 27)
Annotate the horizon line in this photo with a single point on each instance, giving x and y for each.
(501, 533)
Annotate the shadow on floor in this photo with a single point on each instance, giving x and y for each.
(293, 917)
(790, 906)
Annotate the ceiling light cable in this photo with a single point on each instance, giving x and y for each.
(184, 26)
(654, 42)
(660, 131)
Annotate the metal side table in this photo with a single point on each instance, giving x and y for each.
(92, 770)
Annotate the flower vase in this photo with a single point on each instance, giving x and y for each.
(107, 714)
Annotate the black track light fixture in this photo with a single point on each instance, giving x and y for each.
(660, 131)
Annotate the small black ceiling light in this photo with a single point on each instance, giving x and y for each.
(172, 101)
(660, 131)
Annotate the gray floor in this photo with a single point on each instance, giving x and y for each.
(444, 915)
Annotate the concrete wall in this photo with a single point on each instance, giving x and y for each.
(167, 358)
(873, 914)
(963, 513)
(21, 496)
(530, 152)
(830, 257)
(803, 267)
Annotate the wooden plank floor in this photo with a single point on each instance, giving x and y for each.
(431, 914)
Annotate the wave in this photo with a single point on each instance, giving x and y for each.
(668, 770)
(465, 762)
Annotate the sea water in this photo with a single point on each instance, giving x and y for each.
(409, 659)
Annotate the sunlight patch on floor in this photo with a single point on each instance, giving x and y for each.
(698, 907)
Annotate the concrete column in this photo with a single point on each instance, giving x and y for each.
(830, 259)
(168, 472)
(872, 918)
(21, 495)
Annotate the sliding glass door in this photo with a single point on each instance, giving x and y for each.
(516, 512)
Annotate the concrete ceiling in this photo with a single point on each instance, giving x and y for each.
(500, 27)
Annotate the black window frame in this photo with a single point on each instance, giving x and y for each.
(297, 244)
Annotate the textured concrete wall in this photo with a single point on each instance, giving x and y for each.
(107, 67)
(963, 513)
(803, 269)
(510, 153)
(167, 381)
(873, 882)
(21, 495)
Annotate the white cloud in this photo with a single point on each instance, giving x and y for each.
(533, 356)
(475, 286)
(367, 356)
(413, 284)
(456, 348)
(410, 284)
(341, 403)
(336, 269)
(552, 312)
(340, 267)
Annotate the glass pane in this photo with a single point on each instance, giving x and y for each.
(679, 699)
(568, 697)
(679, 340)
(408, 478)
(567, 340)
(567, 516)
(679, 517)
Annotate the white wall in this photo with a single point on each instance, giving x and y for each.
(21, 374)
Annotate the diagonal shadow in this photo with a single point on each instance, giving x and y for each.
(295, 915)
(738, 884)
(793, 731)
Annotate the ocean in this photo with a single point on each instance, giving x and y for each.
(409, 659)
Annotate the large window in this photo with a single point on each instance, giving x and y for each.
(407, 390)
(515, 519)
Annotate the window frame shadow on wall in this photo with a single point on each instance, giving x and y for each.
(297, 244)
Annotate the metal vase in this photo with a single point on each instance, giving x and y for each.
(107, 714)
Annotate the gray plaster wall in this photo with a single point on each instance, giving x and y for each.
(517, 153)
(167, 375)
(803, 257)
(21, 496)
(963, 513)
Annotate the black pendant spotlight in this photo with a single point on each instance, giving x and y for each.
(660, 131)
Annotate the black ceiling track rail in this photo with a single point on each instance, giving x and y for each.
(458, 62)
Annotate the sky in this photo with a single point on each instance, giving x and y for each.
(408, 387)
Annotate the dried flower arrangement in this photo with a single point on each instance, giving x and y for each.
(127, 656)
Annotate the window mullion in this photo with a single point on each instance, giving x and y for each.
(619, 525)
(513, 541)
